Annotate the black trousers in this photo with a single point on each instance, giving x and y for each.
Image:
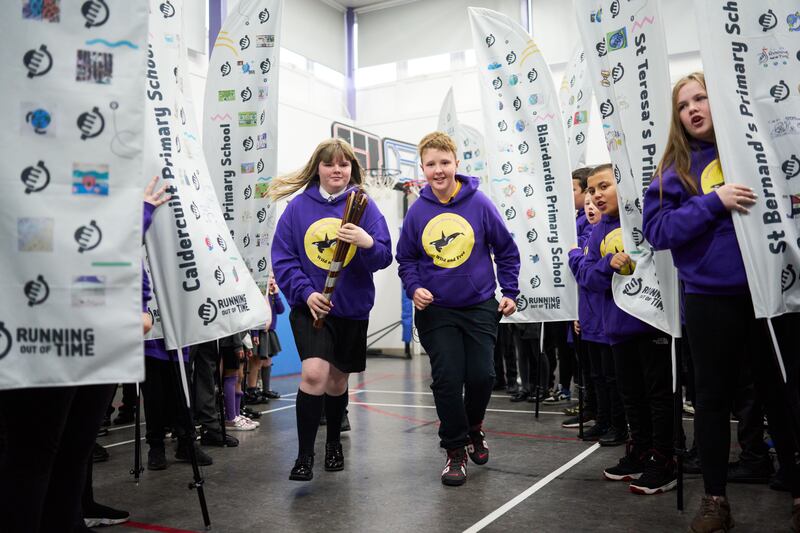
(205, 359)
(505, 363)
(725, 336)
(460, 344)
(533, 367)
(610, 412)
(164, 403)
(43, 466)
(558, 352)
(584, 379)
(644, 376)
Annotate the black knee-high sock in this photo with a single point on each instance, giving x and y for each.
(309, 409)
(334, 408)
(266, 372)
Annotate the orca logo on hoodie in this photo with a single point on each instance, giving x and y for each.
(712, 179)
(320, 242)
(612, 244)
(448, 239)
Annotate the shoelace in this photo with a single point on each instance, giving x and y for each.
(709, 507)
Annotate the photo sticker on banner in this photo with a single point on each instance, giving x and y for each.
(88, 291)
(265, 41)
(263, 92)
(35, 234)
(248, 168)
(262, 187)
(44, 10)
(36, 119)
(228, 95)
(248, 119)
(617, 40)
(261, 141)
(94, 67)
(89, 179)
(247, 67)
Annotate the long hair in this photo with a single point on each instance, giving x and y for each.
(678, 152)
(327, 151)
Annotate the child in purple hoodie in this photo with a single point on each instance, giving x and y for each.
(302, 251)
(610, 428)
(641, 353)
(445, 263)
(688, 211)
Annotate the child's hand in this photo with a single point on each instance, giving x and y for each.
(620, 260)
(155, 198)
(355, 235)
(736, 197)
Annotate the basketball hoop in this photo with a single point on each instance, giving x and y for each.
(412, 186)
(379, 182)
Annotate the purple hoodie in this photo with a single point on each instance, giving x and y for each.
(446, 248)
(147, 291)
(590, 303)
(696, 227)
(595, 274)
(302, 250)
(583, 227)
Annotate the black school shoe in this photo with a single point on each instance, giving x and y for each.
(99, 454)
(303, 468)
(156, 458)
(658, 476)
(758, 472)
(182, 454)
(211, 437)
(594, 433)
(614, 437)
(334, 457)
(455, 469)
(102, 515)
(477, 449)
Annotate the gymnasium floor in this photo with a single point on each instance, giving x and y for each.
(539, 477)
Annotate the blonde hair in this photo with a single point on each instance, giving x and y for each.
(678, 152)
(327, 151)
(437, 140)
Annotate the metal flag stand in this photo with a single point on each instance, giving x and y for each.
(137, 469)
(197, 482)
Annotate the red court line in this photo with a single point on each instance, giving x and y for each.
(488, 431)
(155, 527)
(362, 384)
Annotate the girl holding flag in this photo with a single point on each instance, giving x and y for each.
(687, 210)
(302, 252)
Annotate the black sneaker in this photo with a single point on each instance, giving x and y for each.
(102, 515)
(477, 448)
(614, 437)
(99, 454)
(303, 468)
(249, 413)
(182, 454)
(659, 475)
(345, 423)
(334, 457)
(156, 458)
(254, 396)
(779, 481)
(573, 422)
(270, 394)
(594, 433)
(520, 396)
(455, 470)
(630, 467)
(214, 438)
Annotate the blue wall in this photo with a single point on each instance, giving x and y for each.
(287, 362)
